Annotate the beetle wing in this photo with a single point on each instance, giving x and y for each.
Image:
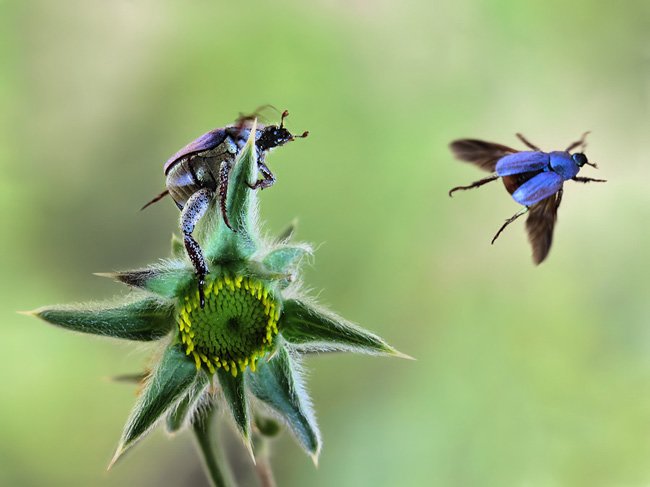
(540, 224)
(479, 152)
(524, 161)
(207, 141)
(538, 188)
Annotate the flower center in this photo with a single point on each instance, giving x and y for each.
(235, 328)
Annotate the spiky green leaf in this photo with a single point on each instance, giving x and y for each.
(171, 379)
(285, 257)
(145, 318)
(308, 327)
(179, 416)
(234, 393)
(278, 383)
(164, 280)
(261, 272)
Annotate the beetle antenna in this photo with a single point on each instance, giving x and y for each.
(591, 164)
(580, 143)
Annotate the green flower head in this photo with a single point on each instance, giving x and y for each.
(244, 346)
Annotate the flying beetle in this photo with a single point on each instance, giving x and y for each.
(199, 172)
(534, 178)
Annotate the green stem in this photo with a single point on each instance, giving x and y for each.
(213, 461)
(263, 462)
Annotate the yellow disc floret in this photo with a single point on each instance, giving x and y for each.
(236, 326)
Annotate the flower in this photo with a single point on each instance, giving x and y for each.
(246, 342)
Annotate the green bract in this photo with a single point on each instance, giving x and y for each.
(245, 343)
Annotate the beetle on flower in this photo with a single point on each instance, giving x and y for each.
(199, 173)
(246, 342)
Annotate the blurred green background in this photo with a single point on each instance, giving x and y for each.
(525, 376)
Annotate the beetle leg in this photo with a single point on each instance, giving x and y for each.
(224, 174)
(588, 180)
(266, 181)
(509, 221)
(577, 143)
(192, 212)
(529, 144)
(475, 184)
(156, 199)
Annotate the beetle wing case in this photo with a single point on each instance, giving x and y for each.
(207, 141)
(538, 188)
(524, 161)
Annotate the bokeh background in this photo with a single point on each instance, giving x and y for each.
(525, 376)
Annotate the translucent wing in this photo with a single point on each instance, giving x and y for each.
(207, 141)
(480, 153)
(524, 161)
(540, 224)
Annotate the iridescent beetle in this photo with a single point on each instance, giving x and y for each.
(199, 172)
(533, 178)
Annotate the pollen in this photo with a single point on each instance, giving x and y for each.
(236, 327)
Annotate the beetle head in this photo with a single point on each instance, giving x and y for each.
(275, 136)
(580, 159)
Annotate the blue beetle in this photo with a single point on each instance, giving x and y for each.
(534, 178)
(199, 172)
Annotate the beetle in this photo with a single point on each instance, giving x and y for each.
(533, 178)
(199, 172)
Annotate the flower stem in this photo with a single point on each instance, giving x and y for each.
(263, 462)
(213, 461)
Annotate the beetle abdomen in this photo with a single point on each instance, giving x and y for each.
(513, 181)
(181, 183)
(201, 170)
(190, 175)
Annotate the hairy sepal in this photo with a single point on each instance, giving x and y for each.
(234, 395)
(171, 379)
(278, 384)
(182, 413)
(164, 280)
(286, 258)
(310, 328)
(142, 318)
